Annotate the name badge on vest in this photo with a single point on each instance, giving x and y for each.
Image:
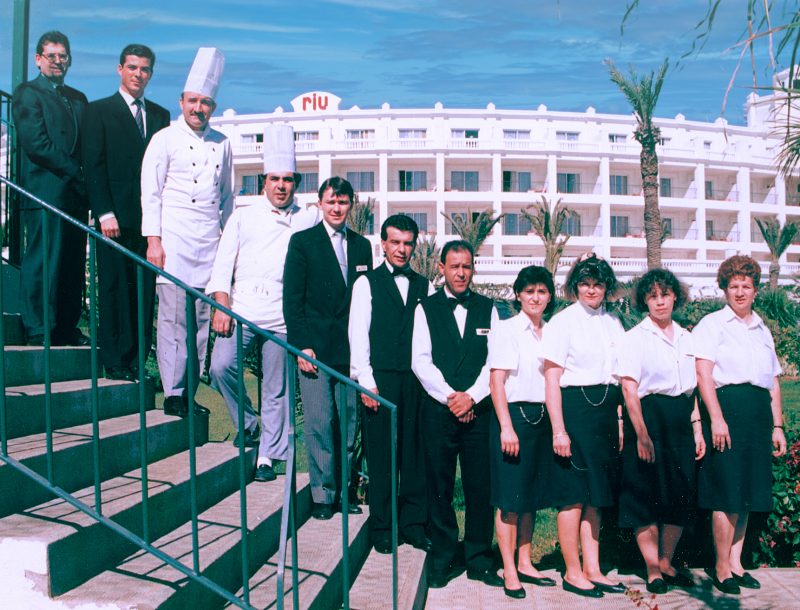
(482, 332)
(361, 268)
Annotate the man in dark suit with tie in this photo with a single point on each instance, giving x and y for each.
(47, 118)
(116, 131)
(381, 326)
(321, 266)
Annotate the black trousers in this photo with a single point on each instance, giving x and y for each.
(401, 388)
(446, 439)
(66, 274)
(118, 335)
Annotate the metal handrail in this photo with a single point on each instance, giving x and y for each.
(288, 516)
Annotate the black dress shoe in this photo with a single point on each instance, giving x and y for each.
(487, 577)
(570, 588)
(515, 593)
(323, 512)
(539, 581)
(438, 579)
(680, 579)
(198, 408)
(73, 337)
(352, 509)
(617, 588)
(251, 438)
(265, 474)
(418, 541)
(657, 586)
(746, 580)
(382, 545)
(173, 405)
(120, 373)
(729, 585)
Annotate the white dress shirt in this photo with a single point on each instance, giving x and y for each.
(251, 256)
(584, 342)
(187, 197)
(360, 322)
(515, 347)
(429, 375)
(741, 352)
(659, 365)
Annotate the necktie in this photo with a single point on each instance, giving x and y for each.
(61, 93)
(138, 117)
(338, 247)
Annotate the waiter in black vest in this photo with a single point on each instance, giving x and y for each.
(380, 329)
(449, 352)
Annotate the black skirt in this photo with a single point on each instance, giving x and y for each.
(521, 484)
(590, 476)
(664, 491)
(739, 479)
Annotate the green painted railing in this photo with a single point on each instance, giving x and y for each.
(288, 529)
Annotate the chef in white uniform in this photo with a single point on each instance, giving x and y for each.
(186, 197)
(253, 251)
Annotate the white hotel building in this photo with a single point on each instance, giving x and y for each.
(431, 163)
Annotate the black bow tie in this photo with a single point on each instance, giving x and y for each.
(407, 271)
(462, 299)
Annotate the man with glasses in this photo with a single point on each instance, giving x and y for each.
(47, 118)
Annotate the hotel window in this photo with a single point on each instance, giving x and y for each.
(664, 141)
(362, 181)
(516, 224)
(413, 180)
(707, 145)
(251, 185)
(464, 181)
(666, 227)
(360, 134)
(568, 183)
(569, 136)
(516, 134)
(412, 134)
(464, 133)
(619, 226)
(617, 138)
(309, 182)
(516, 182)
(421, 218)
(709, 229)
(709, 189)
(252, 138)
(665, 187)
(572, 225)
(305, 136)
(619, 185)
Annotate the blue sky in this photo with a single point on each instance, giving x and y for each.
(411, 53)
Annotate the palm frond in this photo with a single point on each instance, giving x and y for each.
(474, 229)
(360, 215)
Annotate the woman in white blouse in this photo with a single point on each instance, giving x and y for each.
(657, 370)
(521, 452)
(583, 400)
(737, 375)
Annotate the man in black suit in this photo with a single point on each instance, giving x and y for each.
(448, 356)
(116, 131)
(381, 326)
(47, 117)
(321, 266)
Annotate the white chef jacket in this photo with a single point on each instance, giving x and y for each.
(515, 347)
(251, 256)
(429, 375)
(658, 365)
(187, 197)
(741, 352)
(584, 341)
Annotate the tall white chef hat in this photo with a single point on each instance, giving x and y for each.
(206, 72)
(279, 149)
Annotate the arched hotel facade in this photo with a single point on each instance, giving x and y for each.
(715, 178)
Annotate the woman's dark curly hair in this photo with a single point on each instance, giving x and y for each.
(532, 275)
(738, 264)
(664, 280)
(590, 266)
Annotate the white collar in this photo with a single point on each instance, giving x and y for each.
(129, 99)
(330, 230)
(730, 316)
(200, 135)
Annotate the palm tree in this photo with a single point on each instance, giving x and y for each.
(778, 239)
(474, 229)
(425, 259)
(548, 223)
(642, 93)
(361, 215)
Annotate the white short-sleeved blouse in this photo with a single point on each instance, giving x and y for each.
(514, 347)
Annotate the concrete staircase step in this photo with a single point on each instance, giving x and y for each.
(58, 547)
(71, 404)
(144, 581)
(319, 545)
(13, 331)
(73, 460)
(372, 589)
(25, 364)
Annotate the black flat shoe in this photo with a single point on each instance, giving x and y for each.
(729, 585)
(382, 545)
(617, 588)
(322, 512)
(746, 580)
(657, 586)
(539, 581)
(570, 588)
(514, 593)
(680, 579)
